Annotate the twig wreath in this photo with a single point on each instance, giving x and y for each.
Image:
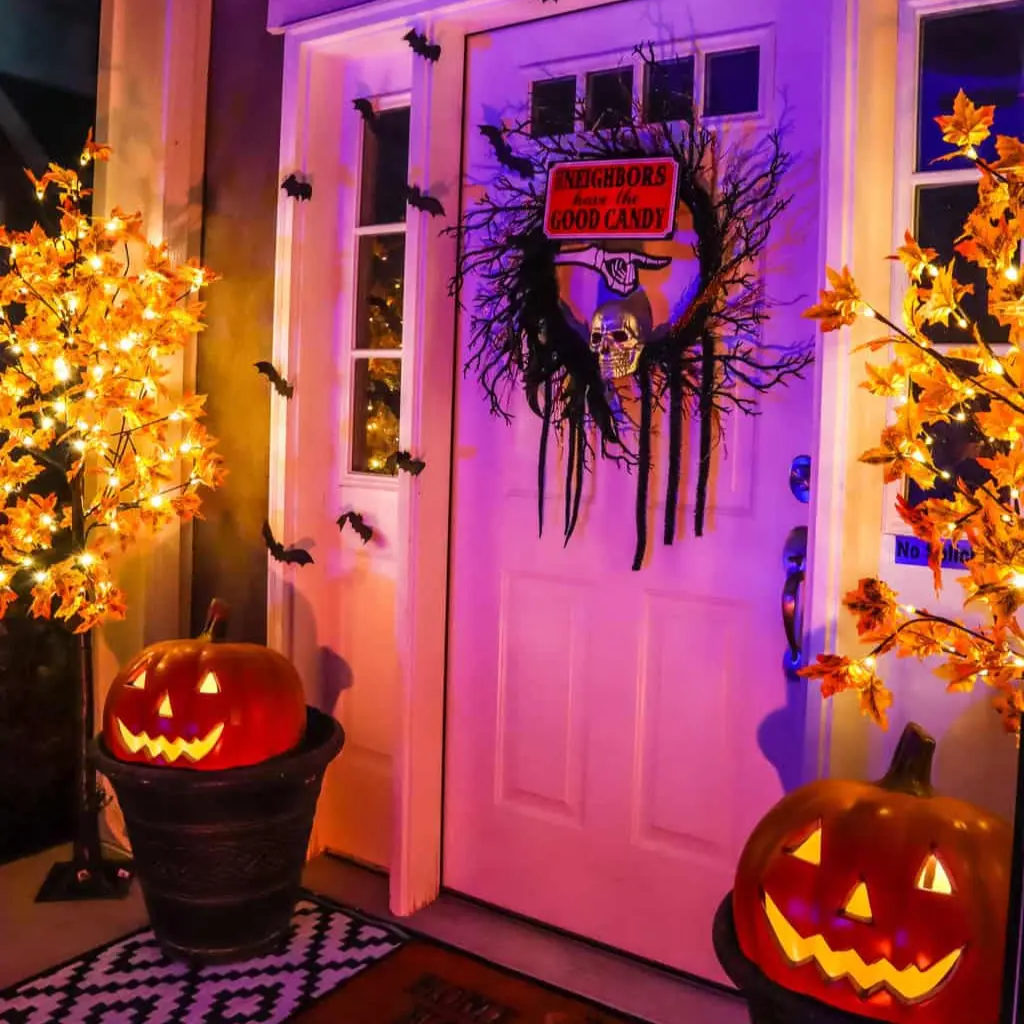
(705, 360)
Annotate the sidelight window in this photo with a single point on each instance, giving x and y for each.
(380, 281)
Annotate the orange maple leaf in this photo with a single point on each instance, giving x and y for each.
(943, 300)
(840, 305)
(874, 604)
(967, 127)
(918, 518)
(94, 150)
(916, 259)
(1011, 153)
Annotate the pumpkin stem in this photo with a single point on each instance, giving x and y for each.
(911, 767)
(216, 618)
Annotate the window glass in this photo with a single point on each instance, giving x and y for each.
(381, 280)
(668, 90)
(377, 400)
(385, 168)
(553, 107)
(609, 98)
(938, 221)
(732, 82)
(980, 51)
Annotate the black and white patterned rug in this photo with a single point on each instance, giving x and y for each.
(130, 981)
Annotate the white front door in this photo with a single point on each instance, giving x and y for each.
(612, 736)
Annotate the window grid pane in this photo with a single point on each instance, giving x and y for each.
(553, 107)
(732, 82)
(379, 292)
(377, 400)
(609, 98)
(668, 90)
(385, 168)
(980, 51)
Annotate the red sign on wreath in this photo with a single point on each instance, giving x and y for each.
(590, 199)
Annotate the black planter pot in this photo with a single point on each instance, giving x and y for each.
(769, 1003)
(219, 855)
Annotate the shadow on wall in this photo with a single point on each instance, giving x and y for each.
(979, 759)
(781, 736)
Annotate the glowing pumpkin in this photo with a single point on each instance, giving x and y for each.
(204, 705)
(880, 899)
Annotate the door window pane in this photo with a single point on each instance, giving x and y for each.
(385, 168)
(609, 98)
(980, 51)
(939, 218)
(553, 107)
(731, 82)
(381, 280)
(668, 90)
(377, 401)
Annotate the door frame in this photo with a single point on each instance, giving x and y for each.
(436, 150)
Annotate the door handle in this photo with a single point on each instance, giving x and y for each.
(794, 560)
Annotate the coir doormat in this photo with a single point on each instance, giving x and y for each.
(338, 967)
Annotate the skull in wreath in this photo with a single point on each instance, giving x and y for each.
(618, 331)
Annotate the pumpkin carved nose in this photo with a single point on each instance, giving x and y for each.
(858, 906)
(164, 711)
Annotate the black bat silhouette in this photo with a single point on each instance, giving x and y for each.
(356, 521)
(295, 189)
(421, 46)
(367, 113)
(269, 370)
(290, 556)
(504, 153)
(418, 199)
(405, 462)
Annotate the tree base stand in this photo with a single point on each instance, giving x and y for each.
(67, 882)
(767, 1002)
(219, 855)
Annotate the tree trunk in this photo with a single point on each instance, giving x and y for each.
(87, 854)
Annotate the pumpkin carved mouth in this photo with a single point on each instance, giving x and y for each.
(170, 750)
(911, 984)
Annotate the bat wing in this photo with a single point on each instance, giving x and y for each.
(297, 556)
(410, 465)
(421, 201)
(521, 165)
(270, 371)
(276, 549)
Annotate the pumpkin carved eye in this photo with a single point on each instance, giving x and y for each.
(139, 682)
(209, 684)
(809, 850)
(933, 877)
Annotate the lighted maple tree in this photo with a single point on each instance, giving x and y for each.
(95, 447)
(970, 383)
(86, 340)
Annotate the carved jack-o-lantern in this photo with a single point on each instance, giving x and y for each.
(881, 899)
(204, 705)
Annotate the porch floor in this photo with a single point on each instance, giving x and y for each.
(36, 936)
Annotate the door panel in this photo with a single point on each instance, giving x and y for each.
(605, 727)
